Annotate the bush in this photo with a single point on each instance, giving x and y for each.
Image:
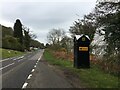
(5, 43)
(109, 64)
(10, 42)
(63, 50)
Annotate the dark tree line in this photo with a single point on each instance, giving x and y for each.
(18, 39)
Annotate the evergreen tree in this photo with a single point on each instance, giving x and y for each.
(18, 31)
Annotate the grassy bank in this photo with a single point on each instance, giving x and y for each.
(6, 53)
(90, 78)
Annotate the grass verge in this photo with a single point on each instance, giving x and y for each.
(89, 78)
(6, 53)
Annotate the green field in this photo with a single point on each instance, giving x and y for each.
(6, 53)
(90, 78)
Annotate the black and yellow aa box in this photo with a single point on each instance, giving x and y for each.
(83, 48)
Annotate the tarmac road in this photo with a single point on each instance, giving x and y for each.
(45, 77)
(29, 72)
(16, 70)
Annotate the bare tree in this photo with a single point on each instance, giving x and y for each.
(31, 34)
(55, 36)
(67, 43)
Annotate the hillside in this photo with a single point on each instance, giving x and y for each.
(10, 42)
(6, 31)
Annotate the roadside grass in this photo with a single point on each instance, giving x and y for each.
(7, 53)
(89, 78)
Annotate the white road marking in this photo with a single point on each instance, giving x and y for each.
(22, 56)
(29, 76)
(25, 85)
(4, 60)
(11, 58)
(15, 59)
(33, 70)
(35, 66)
(18, 58)
(40, 56)
(38, 59)
(7, 66)
(36, 63)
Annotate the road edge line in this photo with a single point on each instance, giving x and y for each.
(7, 66)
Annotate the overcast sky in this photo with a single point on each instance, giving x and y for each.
(43, 15)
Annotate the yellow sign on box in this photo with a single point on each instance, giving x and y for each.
(83, 48)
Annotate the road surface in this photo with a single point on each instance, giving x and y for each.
(16, 70)
(28, 71)
(46, 77)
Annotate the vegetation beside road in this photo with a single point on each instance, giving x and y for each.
(103, 29)
(7, 53)
(19, 38)
(89, 78)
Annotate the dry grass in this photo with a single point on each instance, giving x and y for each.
(63, 55)
(104, 65)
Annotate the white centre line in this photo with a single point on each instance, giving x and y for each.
(7, 66)
(25, 85)
(35, 66)
(33, 70)
(38, 59)
(40, 56)
(36, 63)
(29, 76)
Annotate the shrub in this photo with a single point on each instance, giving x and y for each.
(10, 42)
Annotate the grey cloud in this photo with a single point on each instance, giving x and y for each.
(45, 15)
